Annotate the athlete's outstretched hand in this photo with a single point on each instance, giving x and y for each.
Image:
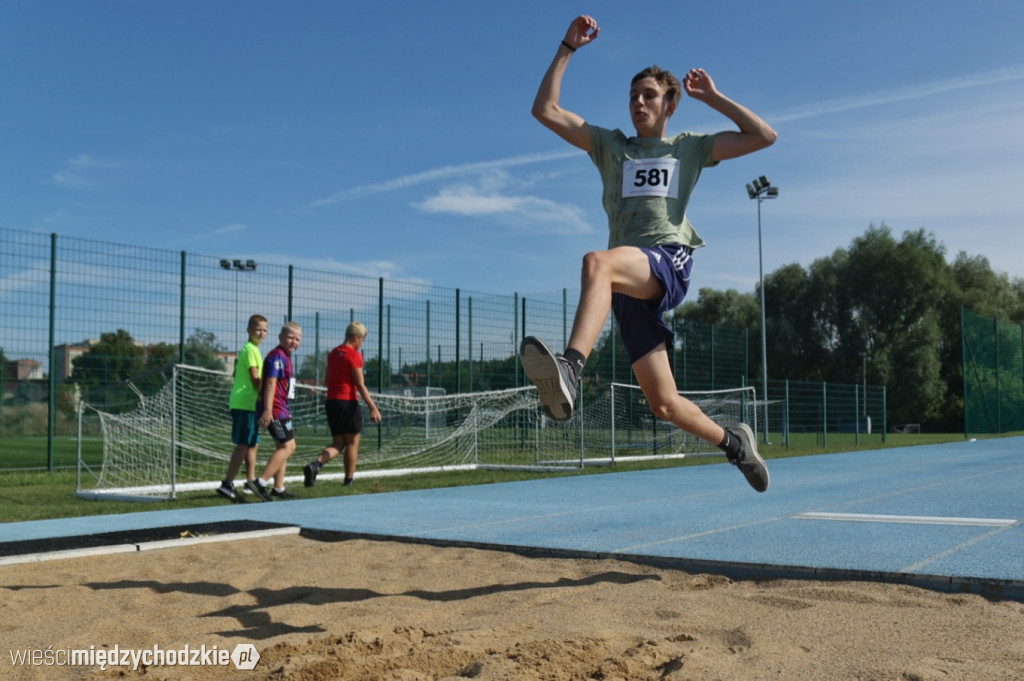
(698, 84)
(582, 31)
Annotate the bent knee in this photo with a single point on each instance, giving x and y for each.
(664, 409)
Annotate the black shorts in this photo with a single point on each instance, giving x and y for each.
(281, 431)
(345, 417)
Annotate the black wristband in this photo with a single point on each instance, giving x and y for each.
(571, 48)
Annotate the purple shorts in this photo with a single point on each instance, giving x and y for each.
(641, 322)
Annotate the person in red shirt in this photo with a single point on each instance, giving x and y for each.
(345, 384)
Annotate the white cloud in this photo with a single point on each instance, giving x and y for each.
(228, 229)
(912, 92)
(365, 268)
(70, 180)
(442, 173)
(521, 211)
(89, 161)
(71, 176)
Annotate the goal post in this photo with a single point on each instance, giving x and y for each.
(635, 433)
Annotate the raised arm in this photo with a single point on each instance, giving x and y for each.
(754, 134)
(546, 109)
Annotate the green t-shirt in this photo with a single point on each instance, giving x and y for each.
(243, 395)
(647, 185)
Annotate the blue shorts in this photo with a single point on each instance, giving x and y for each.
(244, 429)
(641, 322)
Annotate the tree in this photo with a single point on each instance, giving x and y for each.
(723, 308)
(201, 350)
(314, 367)
(115, 358)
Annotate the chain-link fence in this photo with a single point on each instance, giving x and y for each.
(993, 374)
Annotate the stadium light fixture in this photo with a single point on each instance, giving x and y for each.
(225, 263)
(762, 189)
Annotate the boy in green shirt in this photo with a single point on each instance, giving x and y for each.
(245, 432)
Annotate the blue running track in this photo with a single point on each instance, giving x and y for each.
(947, 517)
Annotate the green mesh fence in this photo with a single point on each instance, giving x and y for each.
(993, 374)
(805, 412)
(81, 316)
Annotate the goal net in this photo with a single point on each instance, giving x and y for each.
(178, 439)
(636, 434)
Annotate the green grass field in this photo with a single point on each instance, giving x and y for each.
(37, 495)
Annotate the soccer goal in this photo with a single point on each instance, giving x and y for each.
(633, 433)
(178, 439)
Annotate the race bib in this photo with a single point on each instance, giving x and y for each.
(650, 177)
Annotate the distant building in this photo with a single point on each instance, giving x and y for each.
(230, 359)
(25, 370)
(63, 355)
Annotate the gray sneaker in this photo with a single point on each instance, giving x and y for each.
(555, 380)
(748, 460)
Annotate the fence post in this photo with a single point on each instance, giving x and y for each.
(885, 420)
(565, 318)
(612, 341)
(515, 339)
(380, 335)
(856, 401)
(316, 348)
(51, 415)
(963, 359)
(181, 312)
(458, 341)
(427, 331)
(999, 396)
(824, 414)
(291, 288)
(469, 339)
(785, 417)
(380, 355)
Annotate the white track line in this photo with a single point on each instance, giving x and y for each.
(913, 519)
(144, 546)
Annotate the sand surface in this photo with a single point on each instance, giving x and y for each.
(404, 612)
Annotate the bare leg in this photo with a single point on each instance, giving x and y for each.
(620, 270)
(654, 373)
(351, 456)
(239, 454)
(276, 466)
(250, 462)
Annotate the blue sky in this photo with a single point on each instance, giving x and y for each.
(395, 139)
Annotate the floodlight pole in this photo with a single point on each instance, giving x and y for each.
(762, 189)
